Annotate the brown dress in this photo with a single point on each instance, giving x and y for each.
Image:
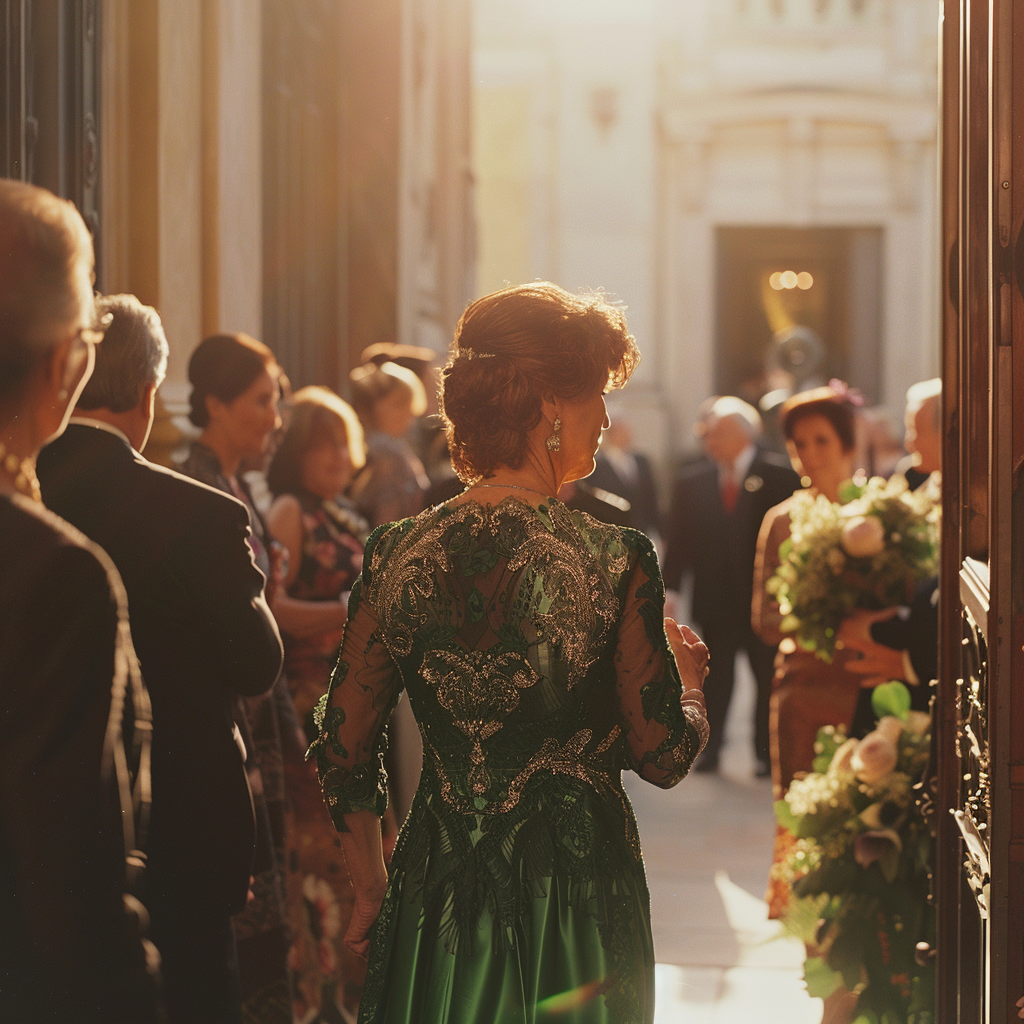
(807, 693)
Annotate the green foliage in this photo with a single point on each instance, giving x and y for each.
(821, 980)
(891, 699)
(858, 872)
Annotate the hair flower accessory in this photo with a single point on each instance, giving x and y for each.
(468, 353)
(843, 390)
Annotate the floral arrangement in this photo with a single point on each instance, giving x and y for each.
(858, 865)
(868, 552)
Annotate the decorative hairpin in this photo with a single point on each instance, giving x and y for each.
(843, 391)
(468, 353)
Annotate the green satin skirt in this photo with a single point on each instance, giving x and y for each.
(551, 968)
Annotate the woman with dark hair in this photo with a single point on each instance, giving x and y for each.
(807, 693)
(388, 398)
(236, 384)
(531, 641)
(68, 949)
(324, 538)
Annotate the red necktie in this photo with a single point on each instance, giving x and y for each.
(730, 492)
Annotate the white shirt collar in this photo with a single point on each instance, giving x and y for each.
(87, 421)
(740, 467)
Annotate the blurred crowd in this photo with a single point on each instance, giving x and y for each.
(290, 483)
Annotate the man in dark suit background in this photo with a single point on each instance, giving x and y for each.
(621, 471)
(203, 633)
(711, 530)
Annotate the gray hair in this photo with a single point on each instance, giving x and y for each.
(45, 251)
(131, 357)
(923, 393)
(730, 407)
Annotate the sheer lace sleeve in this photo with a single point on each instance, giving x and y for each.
(764, 612)
(351, 718)
(665, 727)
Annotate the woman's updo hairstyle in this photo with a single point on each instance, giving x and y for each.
(372, 382)
(225, 365)
(512, 349)
(836, 402)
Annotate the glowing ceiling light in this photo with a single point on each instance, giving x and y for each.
(776, 281)
(788, 279)
(804, 280)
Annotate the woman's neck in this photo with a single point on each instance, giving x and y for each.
(528, 478)
(830, 486)
(227, 455)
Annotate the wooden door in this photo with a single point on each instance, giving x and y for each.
(50, 100)
(979, 875)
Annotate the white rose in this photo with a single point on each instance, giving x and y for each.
(863, 536)
(843, 756)
(876, 755)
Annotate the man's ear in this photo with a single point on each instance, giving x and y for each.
(148, 399)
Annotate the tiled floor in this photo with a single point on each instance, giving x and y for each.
(707, 847)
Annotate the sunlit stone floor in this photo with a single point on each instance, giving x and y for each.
(707, 847)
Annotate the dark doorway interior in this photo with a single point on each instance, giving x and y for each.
(838, 297)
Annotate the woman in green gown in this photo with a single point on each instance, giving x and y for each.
(531, 642)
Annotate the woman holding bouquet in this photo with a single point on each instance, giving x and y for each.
(808, 693)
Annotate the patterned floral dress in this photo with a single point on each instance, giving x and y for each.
(327, 978)
(531, 644)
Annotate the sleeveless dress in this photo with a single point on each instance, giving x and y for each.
(531, 645)
(327, 977)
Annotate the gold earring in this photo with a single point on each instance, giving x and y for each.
(554, 442)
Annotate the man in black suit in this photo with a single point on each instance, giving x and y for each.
(623, 472)
(203, 632)
(712, 528)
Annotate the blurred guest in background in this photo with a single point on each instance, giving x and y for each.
(808, 693)
(716, 512)
(923, 432)
(324, 537)
(427, 433)
(619, 469)
(236, 385)
(68, 950)
(392, 484)
(205, 637)
(903, 643)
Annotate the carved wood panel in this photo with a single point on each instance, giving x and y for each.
(50, 99)
(980, 708)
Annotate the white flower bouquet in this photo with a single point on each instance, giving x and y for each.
(870, 552)
(859, 864)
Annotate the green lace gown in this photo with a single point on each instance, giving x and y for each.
(531, 645)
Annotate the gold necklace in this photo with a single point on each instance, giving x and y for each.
(511, 487)
(22, 472)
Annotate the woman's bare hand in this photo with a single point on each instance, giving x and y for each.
(364, 913)
(690, 653)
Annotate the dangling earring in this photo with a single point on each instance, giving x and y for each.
(554, 442)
